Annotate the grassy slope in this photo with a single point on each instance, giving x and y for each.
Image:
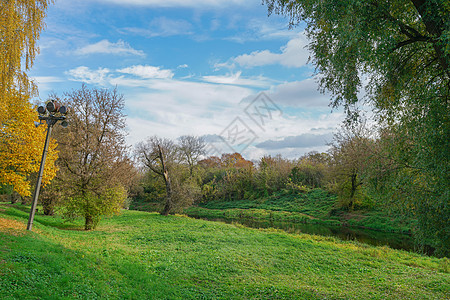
(316, 206)
(140, 255)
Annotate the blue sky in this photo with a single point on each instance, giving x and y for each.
(221, 69)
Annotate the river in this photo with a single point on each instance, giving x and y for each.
(367, 236)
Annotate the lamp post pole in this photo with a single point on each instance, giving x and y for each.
(52, 107)
(50, 124)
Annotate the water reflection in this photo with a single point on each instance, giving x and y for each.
(367, 236)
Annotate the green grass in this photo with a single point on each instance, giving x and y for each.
(316, 203)
(140, 255)
(254, 213)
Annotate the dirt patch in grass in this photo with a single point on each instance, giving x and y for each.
(354, 216)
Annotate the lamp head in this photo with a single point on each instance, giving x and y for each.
(53, 106)
(63, 110)
(41, 110)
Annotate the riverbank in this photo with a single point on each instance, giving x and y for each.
(142, 255)
(314, 207)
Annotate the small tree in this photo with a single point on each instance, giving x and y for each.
(93, 205)
(94, 167)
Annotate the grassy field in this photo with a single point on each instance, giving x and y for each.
(316, 206)
(140, 255)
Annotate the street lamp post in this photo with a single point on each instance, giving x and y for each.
(56, 113)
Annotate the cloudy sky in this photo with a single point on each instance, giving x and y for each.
(221, 69)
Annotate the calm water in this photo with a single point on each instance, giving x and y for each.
(372, 237)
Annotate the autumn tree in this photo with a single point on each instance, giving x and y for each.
(21, 143)
(95, 170)
(21, 23)
(397, 51)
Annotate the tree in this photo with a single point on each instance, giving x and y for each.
(398, 52)
(20, 142)
(405, 188)
(395, 43)
(234, 160)
(21, 23)
(95, 170)
(21, 145)
(310, 170)
(160, 156)
(191, 148)
(350, 154)
(273, 173)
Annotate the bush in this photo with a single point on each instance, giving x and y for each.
(93, 206)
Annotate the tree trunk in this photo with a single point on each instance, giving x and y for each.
(48, 210)
(354, 186)
(48, 206)
(169, 201)
(89, 223)
(169, 205)
(14, 197)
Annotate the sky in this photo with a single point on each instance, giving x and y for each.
(220, 69)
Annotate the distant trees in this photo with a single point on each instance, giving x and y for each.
(311, 170)
(273, 174)
(95, 170)
(21, 23)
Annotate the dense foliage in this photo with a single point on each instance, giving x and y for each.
(21, 143)
(398, 52)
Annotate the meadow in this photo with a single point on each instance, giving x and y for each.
(142, 255)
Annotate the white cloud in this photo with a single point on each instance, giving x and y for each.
(45, 83)
(106, 47)
(299, 94)
(46, 79)
(268, 29)
(172, 108)
(236, 79)
(305, 140)
(147, 72)
(168, 107)
(162, 26)
(293, 54)
(84, 74)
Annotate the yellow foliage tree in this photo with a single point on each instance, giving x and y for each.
(21, 143)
